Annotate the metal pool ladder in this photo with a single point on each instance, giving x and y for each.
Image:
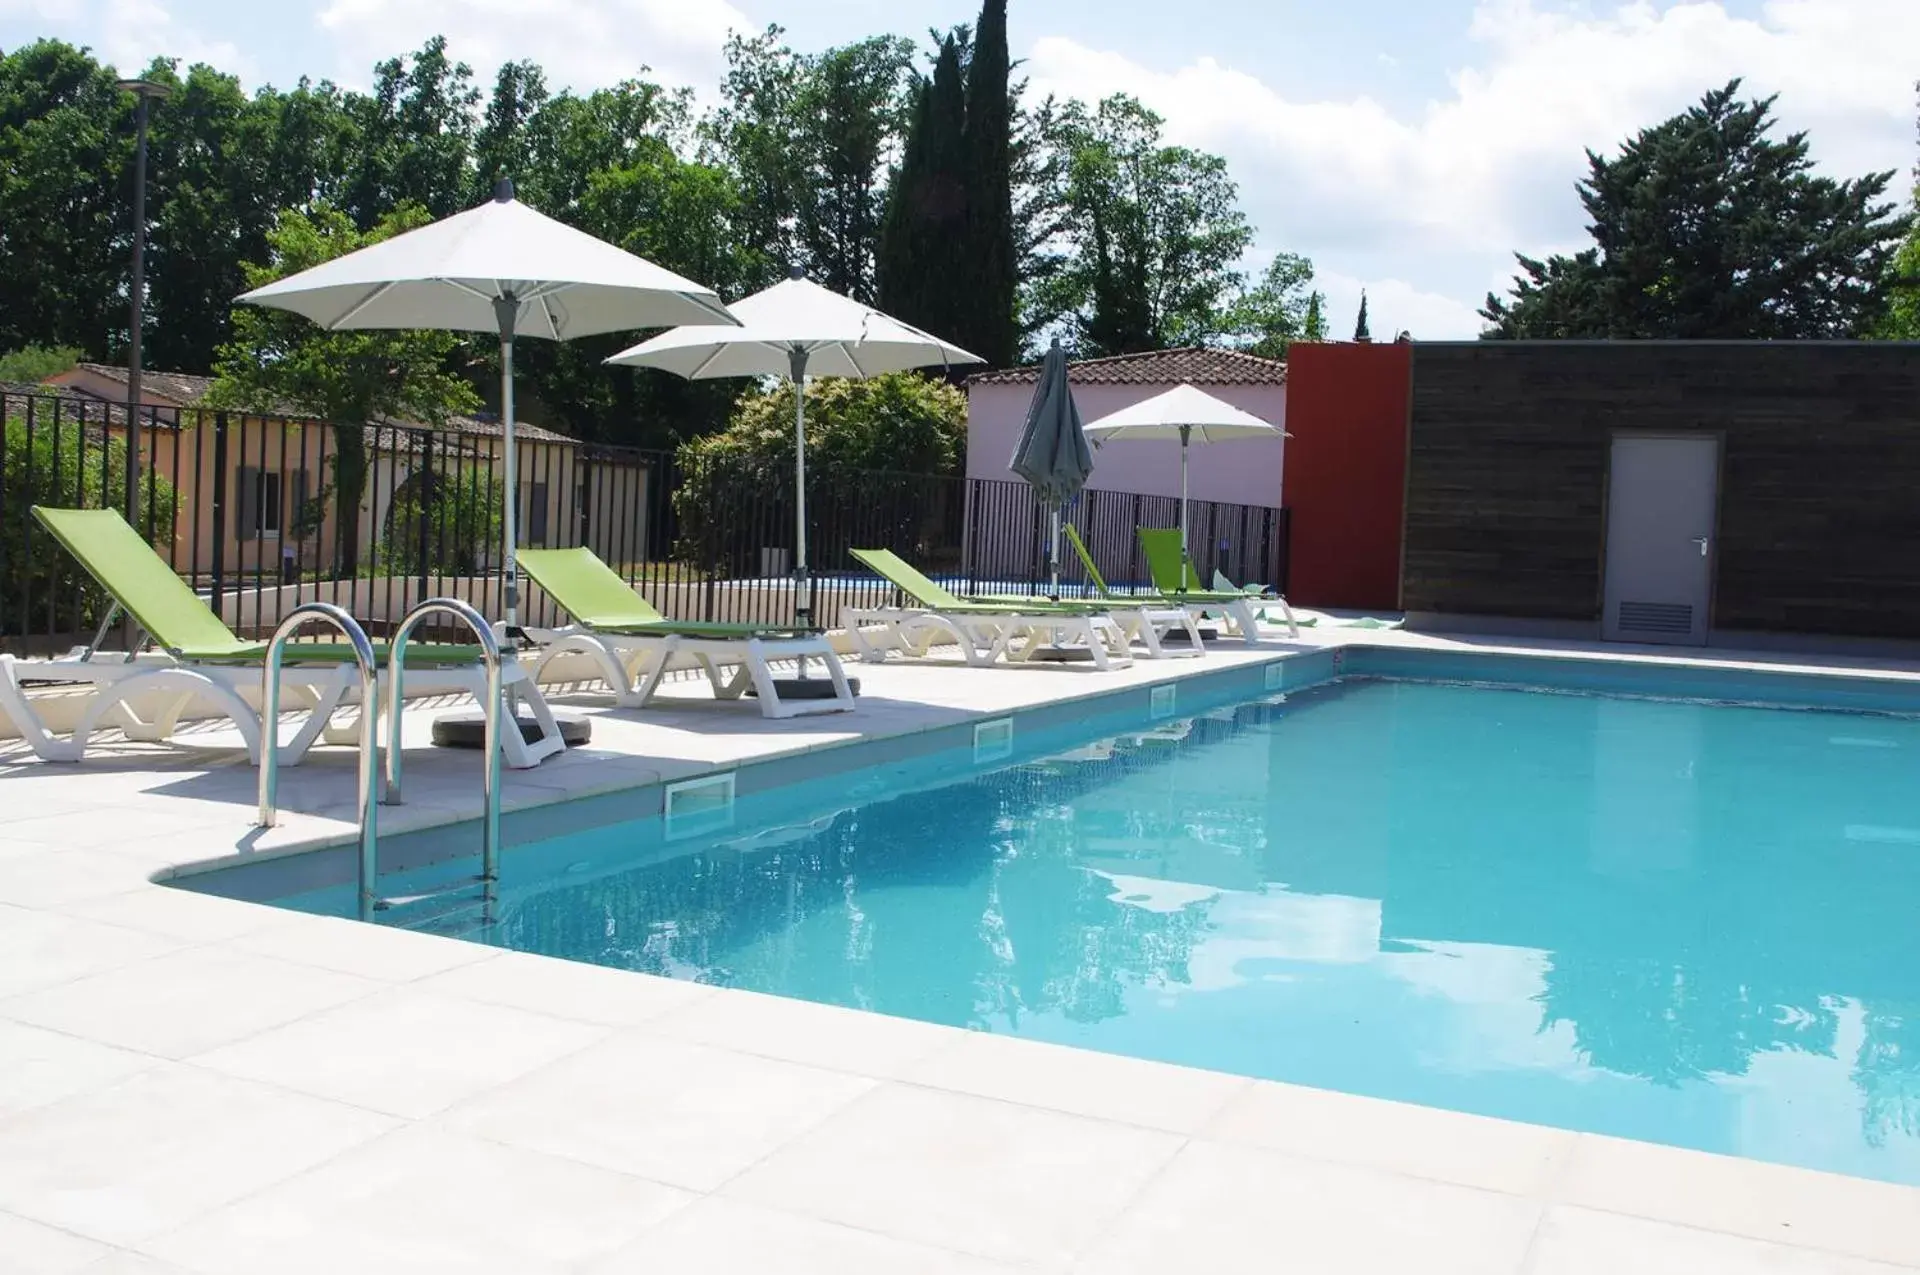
(369, 744)
(491, 658)
(368, 759)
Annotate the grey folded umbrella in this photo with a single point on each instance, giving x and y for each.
(1053, 455)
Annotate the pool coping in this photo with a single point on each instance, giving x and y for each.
(914, 1139)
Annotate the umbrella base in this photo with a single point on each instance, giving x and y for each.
(469, 729)
(1063, 655)
(808, 687)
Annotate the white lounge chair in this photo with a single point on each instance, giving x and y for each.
(199, 657)
(634, 645)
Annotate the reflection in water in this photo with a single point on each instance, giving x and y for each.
(1631, 917)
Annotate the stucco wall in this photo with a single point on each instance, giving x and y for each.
(1245, 473)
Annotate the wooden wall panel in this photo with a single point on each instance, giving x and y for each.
(1820, 483)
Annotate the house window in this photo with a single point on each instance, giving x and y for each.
(261, 509)
(533, 514)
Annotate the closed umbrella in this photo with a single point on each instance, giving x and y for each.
(796, 329)
(1053, 455)
(501, 267)
(1185, 413)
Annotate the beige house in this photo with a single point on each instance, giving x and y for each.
(274, 466)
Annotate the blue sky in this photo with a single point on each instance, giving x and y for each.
(1406, 146)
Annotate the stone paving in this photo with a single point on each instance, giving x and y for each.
(195, 1085)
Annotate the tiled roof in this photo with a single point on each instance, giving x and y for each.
(1193, 364)
(72, 404)
(174, 387)
(187, 390)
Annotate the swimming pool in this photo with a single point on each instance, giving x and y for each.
(1671, 919)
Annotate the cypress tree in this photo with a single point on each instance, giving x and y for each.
(1360, 330)
(923, 250)
(900, 274)
(991, 329)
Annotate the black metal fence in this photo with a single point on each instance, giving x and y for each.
(260, 513)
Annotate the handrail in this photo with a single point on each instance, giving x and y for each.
(369, 758)
(490, 708)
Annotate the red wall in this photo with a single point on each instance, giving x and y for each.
(1346, 472)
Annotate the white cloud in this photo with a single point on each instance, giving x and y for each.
(128, 34)
(581, 45)
(1424, 206)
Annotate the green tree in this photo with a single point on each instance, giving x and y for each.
(281, 362)
(924, 245)
(1281, 308)
(1705, 227)
(1150, 238)
(991, 328)
(1901, 322)
(1361, 330)
(213, 199)
(503, 146)
(808, 137)
(412, 137)
(32, 364)
(66, 145)
(55, 463)
(612, 163)
(862, 437)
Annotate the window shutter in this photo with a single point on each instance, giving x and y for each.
(248, 508)
(537, 514)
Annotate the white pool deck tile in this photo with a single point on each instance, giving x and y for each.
(30, 1248)
(976, 1175)
(1231, 1210)
(156, 1150)
(720, 1236)
(403, 1052)
(688, 1115)
(426, 1199)
(191, 1085)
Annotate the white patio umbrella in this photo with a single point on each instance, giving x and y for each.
(796, 329)
(1185, 413)
(501, 267)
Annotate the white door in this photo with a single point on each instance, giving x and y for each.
(1661, 496)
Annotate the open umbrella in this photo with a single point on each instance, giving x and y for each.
(1185, 413)
(1053, 455)
(499, 267)
(796, 329)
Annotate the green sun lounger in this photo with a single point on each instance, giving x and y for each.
(634, 644)
(203, 658)
(985, 630)
(1174, 576)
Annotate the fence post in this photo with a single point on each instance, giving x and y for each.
(219, 511)
(422, 482)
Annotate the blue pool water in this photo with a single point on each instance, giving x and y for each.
(1689, 923)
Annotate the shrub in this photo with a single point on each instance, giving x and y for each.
(462, 512)
(33, 364)
(878, 452)
(60, 465)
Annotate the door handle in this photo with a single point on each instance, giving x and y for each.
(1702, 542)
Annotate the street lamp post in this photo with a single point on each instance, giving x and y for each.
(145, 92)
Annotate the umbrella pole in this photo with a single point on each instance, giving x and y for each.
(505, 308)
(1185, 430)
(802, 583)
(1053, 553)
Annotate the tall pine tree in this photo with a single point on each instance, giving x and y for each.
(992, 329)
(1361, 332)
(900, 275)
(923, 249)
